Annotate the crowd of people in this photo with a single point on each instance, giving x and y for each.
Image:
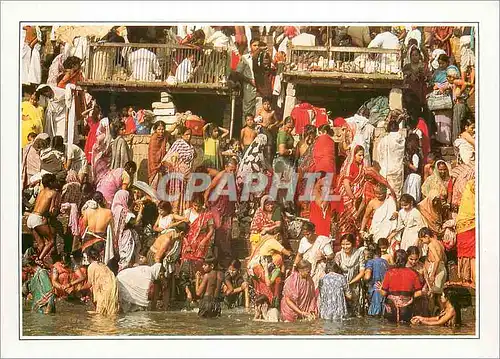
(377, 222)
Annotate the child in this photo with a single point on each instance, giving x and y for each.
(268, 115)
(450, 315)
(212, 135)
(383, 244)
(413, 167)
(128, 115)
(234, 150)
(333, 291)
(31, 137)
(263, 312)
(208, 286)
(235, 288)
(409, 223)
(166, 219)
(248, 133)
(434, 266)
(375, 272)
(429, 167)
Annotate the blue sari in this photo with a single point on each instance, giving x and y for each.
(439, 76)
(378, 267)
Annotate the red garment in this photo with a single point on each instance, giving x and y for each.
(324, 155)
(77, 77)
(401, 280)
(426, 142)
(466, 244)
(321, 116)
(196, 244)
(442, 32)
(260, 286)
(372, 179)
(91, 138)
(235, 59)
(322, 221)
(130, 126)
(301, 116)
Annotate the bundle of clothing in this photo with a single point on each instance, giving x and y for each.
(377, 108)
(305, 114)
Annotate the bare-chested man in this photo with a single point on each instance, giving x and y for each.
(97, 219)
(209, 287)
(46, 206)
(381, 212)
(248, 133)
(434, 266)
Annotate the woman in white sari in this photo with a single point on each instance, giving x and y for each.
(316, 250)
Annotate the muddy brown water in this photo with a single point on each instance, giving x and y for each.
(73, 320)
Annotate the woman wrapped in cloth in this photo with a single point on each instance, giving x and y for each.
(400, 286)
(265, 266)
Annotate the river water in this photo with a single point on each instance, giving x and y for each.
(73, 320)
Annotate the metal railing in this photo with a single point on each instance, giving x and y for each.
(156, 63)
(354, 60)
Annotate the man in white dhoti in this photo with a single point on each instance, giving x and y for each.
(391, 151)
(31, 68)
(144, 65)
(382, 212)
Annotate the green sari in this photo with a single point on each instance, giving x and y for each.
(41, 289)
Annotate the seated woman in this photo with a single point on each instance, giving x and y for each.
(400, 286)
(333, 291)
(133, 286)
(449, 316)
(235, 286)
(299, 295)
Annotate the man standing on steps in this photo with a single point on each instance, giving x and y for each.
(247, 77)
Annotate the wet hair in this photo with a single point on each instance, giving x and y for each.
(303, 264)
(350, 238)
(332, 267)
(99, 198)
(383, 242)
(249, 115)
(93, 254)
(424, 232)
(158, 124)
(444, 58)
(182, 227)
(458, 298)
(261, 299)
(408, 199)
(400, 258)
(309, 226)
(40, 144)
(309, 130)
(413, 250)
(236, 264)
(288, 120)
(465, 123)
(373, 249)
(326, 128)
(413, 143)
(58, 143)
(165, 206)
(130, 167)
(71, 62)
(49, 180)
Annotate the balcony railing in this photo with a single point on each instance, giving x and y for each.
(156, 64)
(344, 60)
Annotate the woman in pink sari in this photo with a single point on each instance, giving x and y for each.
(114, 180)
(299, 296)
(120, 210)
(101, 151)
(93, 122)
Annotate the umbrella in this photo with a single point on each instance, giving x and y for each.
(143, 186)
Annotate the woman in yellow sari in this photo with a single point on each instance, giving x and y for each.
(466, 235)
(104, 286)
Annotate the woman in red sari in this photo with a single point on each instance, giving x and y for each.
(156, 151)
(196, 244)
(93, 123)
